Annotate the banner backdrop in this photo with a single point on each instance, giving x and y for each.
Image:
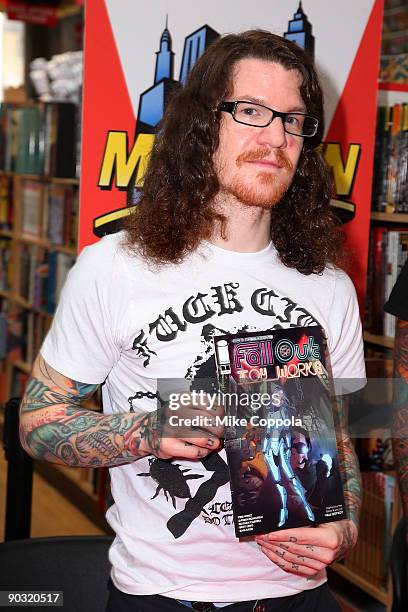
(136, 53)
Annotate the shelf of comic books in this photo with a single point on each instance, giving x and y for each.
(394, 46)
(388, 248)
(379, 340)
(39, 193)
(367, 565)
(388, 253)
(51, 179)
(390, 217)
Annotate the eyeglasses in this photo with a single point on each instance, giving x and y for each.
(261, 116)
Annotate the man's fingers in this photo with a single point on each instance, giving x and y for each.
(183, 431)
(314, 536)
(289, 565)
(310, 551)
(181, 448)
(210, 442)
(302, 558)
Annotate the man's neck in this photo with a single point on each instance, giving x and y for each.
(247, 227)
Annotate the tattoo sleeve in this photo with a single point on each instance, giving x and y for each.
(54, 426)
(399, 420)
(348, 462)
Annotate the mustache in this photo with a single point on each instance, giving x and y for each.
(262, 153)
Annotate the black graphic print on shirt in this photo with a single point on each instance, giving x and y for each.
(224, 300)
(170, 479)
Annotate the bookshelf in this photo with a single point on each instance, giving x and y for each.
(389, 217)
(381, 507)
(27, 316)
(379, 340)
(38, 240)
(387, 253)
(37, 252)
(367, 565)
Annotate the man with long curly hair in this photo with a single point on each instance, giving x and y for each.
(234, 232)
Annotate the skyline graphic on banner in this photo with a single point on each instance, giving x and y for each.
(152, 102)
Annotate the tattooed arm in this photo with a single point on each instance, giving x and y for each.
(399, 422)
(54, 426)
(348, 461)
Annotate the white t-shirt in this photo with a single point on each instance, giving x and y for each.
(128, 325)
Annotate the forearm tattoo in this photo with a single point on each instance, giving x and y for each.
(399, 421)
(55, 427)
(348, 462)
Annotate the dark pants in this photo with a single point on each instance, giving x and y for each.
(314, 600)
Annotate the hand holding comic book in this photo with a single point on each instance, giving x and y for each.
(306, 550)
(187, 428)
(280, 437)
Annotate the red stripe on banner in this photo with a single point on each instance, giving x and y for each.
(361, 85)
(106, 102)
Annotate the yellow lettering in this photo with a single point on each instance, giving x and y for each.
(343, 173)
(118, 164)
(110, 222)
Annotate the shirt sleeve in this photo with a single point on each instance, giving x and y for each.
(398, 301)
(346, 342)
(84, 342)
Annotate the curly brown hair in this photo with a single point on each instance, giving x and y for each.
(176, 211)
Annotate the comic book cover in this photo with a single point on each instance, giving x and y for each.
(280, 438)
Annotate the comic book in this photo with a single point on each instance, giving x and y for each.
(280, 438)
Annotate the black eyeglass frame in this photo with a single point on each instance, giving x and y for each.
(231, 107)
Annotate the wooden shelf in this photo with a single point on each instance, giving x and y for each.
(76, 475)
(22, 365)
(378, 594)
(24, 304)
(5, 294)
(63, 249)
(41, 177)
(385, 341)
(63, 181)
(29, 239)
(45, 244)
(389, 217)
(69, 483)
(6, 233)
